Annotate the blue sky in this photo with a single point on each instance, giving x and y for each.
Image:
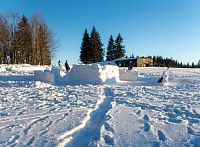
(170, 28)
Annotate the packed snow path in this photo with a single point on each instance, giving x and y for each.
(91, 130)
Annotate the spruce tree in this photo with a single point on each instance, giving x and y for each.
(23, 39)
(198, 64)
(193, 65)
(110, 49)
(132, 56)
(188, 65)
(85, 53)
(119, 48)
(96, 46)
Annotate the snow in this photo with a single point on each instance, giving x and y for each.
(137, 112)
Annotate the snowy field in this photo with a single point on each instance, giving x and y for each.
(137, 113)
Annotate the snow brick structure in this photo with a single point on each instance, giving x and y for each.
(44, 76)
(128, 75)
(94, 74)
(61, 77)
(2, 69)
(54, 76)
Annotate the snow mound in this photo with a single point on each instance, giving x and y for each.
(94, 74)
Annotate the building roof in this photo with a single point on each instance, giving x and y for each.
(123, 58)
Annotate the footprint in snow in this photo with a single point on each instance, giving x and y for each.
(108, 127)
(138, 112)
(161, 136)
(146, 117)
(108, 140)
(143, 107)
(146, 126)
(176, 110)
(194, 111)
(30, 141)
(21, 112)
(190, 131)
(188, 106)
(108, 117)
(66, 114)
(43, 132)
(13, 139)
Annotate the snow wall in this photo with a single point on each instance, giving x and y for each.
(128, 75)
(94, 74)
(86, 74)
(60, 75)
(44, 76)
(54, 76)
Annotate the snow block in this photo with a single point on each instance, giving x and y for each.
(128, 75)
(45, 76)
(94, 74)
(61, 77)
(2, 69)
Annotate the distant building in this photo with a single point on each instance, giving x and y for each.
(144, 62)
(134, 62)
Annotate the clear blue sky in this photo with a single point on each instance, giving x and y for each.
(170, 28)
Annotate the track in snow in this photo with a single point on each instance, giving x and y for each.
(90, 133)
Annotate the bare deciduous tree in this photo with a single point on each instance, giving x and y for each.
(13, 19)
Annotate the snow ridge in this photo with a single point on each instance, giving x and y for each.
(91, 125)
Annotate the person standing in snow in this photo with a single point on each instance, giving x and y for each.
(130, 67)
(59, 63)
(67, 66)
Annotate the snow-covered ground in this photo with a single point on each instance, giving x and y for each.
(134, 113)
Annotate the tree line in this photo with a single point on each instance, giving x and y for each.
(26, 40)
(92, 48)
(159, 61)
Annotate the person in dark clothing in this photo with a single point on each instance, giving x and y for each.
(67, 66)
(59, 63)
(130, 67)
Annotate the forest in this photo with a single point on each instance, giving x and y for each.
(26, 40)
